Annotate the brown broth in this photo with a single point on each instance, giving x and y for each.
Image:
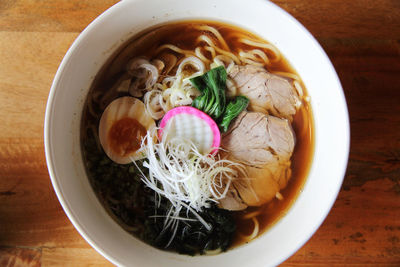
(182, 35)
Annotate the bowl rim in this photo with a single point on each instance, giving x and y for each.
(50, 109)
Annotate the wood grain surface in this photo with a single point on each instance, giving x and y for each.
(361, 37)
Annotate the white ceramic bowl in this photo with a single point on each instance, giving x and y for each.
(98, 42)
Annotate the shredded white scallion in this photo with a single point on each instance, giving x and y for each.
(190, 180)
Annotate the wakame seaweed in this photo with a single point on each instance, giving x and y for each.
(118, 186)
(133, 205)
(191, 236)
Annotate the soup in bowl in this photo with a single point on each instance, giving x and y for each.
(192, 134)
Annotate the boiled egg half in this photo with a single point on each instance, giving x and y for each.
(123, 125)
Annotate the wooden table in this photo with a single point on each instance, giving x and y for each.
(362, 38)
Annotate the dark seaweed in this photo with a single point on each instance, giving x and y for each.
(191, 236)
(121, 191)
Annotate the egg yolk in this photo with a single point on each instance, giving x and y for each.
(125, 136)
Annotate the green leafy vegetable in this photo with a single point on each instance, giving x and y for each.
(212, 86)
(212, 100)
(233, 109)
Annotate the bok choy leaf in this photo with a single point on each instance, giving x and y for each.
(212, 100)
(212, 86)
(237, 105)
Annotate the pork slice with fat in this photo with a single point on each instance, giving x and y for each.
(267, 92)
(264, 144)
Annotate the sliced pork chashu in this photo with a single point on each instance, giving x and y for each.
(265, 145)
(267, 92)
